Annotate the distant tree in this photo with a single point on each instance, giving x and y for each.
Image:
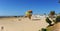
(44, 13)
(15, 16)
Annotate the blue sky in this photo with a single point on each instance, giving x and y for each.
(19, 7)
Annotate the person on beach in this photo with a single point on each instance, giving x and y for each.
(29, 14)
(51, 18)
(56, 26)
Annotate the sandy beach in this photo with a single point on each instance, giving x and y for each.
(22, 24)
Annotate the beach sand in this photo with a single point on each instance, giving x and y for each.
(22, 24)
